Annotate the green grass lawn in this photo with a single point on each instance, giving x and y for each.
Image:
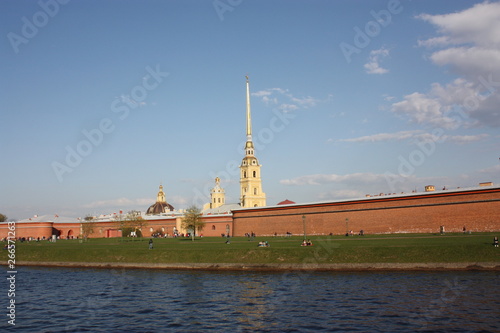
(394, 248)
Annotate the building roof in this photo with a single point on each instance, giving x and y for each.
(224, 209)
(50, 218)
(159, 208)
(285, 202)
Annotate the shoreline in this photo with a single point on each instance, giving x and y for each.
(465, 266)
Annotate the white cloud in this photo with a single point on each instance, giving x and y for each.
(269, 101)
(120, 202)
(305, 101)
(320, 179)
(493, 171)
(373, 64)
(359, 184)
(341, 194)
(286, 101)
(279, 90)
(464, 139)
(457, 104)
(262, 93)
(402, 135)
(472, 62)
(417, 135)
(435, 107)
(288, 107)
(470, 46)
(435, 41)
(476, 25)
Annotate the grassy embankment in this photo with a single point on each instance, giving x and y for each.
(396, 248)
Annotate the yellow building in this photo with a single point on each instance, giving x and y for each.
(250, 177)
(217, 195)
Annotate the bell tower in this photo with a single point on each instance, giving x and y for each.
(217, 195)
(250, 181)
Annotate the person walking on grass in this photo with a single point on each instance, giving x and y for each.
(151, 243)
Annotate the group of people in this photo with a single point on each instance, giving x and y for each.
(288, 234)
(263, 244)
(250, 235)
(351, 233)
(306, 243)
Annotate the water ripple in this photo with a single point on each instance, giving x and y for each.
(87, 300)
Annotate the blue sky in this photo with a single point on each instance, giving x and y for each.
(103, 101)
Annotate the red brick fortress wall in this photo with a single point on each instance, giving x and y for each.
(27, 229)
(477, 210)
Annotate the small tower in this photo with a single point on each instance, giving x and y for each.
(250, 181)
(217, 195)
(161, 195)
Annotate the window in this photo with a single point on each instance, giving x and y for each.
(255, 174)
(244, 174)
(219, 200)
(255, 191)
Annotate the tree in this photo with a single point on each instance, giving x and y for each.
(133, 222)
(3, 218)
(87, 227)
(192, 220)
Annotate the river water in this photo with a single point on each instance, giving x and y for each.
(118, 300)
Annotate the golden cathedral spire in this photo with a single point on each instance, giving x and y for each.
(249, 143)
(250, 181)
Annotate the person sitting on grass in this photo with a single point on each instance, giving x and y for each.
(304, 243)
